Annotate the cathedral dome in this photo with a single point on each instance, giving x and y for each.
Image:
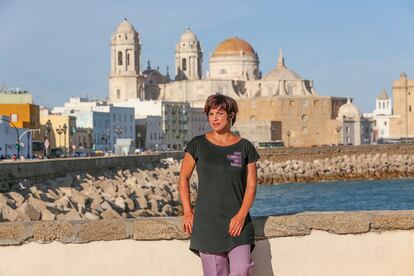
(281, 72)
(233, 46)
(349, 111)
(125, 27)
(188, 35)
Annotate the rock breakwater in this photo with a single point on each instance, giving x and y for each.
(343, 167)
(111, 194)
(153, 189)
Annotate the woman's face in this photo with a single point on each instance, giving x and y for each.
(218, 119)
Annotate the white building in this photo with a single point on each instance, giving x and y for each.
(121, 124)
(8, 140)
(381, 116)
(107, 122)
(168, 125)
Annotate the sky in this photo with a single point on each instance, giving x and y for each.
(56, 49)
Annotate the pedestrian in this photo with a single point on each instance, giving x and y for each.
(220, 226)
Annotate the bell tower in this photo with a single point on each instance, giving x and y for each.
(125, 80)
(188, 57)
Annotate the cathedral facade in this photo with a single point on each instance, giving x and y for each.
(280, 98)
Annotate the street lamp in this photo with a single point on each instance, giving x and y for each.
(288, 135)
(48, 128)
(59, 131)
(65, 128)
(139, 136)
(89, 140)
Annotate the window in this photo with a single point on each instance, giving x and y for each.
(127, 61)
(409, 108)
(118, 94)
(304, 117)
(347, 130)
(184, 64)
(305, 103)
(291, 102)
(385, 123)
(305, 130)
(315, 102)
(13, 118)
(119, 58)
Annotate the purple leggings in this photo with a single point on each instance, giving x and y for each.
(237, 262)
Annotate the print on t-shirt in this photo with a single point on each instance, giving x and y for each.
(235, 159)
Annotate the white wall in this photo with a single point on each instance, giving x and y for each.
(318, 254)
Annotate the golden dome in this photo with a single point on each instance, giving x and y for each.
(233, 46)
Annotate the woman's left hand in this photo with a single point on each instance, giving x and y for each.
(236, 225)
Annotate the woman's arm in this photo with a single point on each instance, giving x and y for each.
(186, 171)
(237, 222)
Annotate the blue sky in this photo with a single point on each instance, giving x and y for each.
(57, 49)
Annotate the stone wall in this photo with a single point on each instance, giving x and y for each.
(313, 153)
(333, 243)
(12, 172)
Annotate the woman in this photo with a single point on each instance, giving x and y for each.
(220, 227)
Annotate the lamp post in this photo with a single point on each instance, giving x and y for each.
(59, 131)
(288, 133)
(139, 136)
(65, 128)
(48, 128)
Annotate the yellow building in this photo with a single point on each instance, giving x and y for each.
(297, 121)
(62, 130)
(22, 116)
(402, 123)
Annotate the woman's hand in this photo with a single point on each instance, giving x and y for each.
(188, 223)
(236, 225)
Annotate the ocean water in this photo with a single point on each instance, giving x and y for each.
(334, 196)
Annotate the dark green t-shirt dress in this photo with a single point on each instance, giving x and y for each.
(221, 186)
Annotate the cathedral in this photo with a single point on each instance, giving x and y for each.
(287, 106)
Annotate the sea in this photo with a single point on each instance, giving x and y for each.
(293, 198)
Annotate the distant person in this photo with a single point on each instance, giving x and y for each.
(220, 226)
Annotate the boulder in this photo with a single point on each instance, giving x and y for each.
(120, 203)
(91, 216)
(110, 214)
(47, 215)
(18, 198)
(9, 214)
(31, 212)
(78, 197)
(71, 215)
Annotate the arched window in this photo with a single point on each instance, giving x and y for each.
(127, 61)
(184, 64)
(119, 58)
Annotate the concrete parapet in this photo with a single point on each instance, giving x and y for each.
(169, 228)
(324, 244)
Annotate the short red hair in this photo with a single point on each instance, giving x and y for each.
(223, 102)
